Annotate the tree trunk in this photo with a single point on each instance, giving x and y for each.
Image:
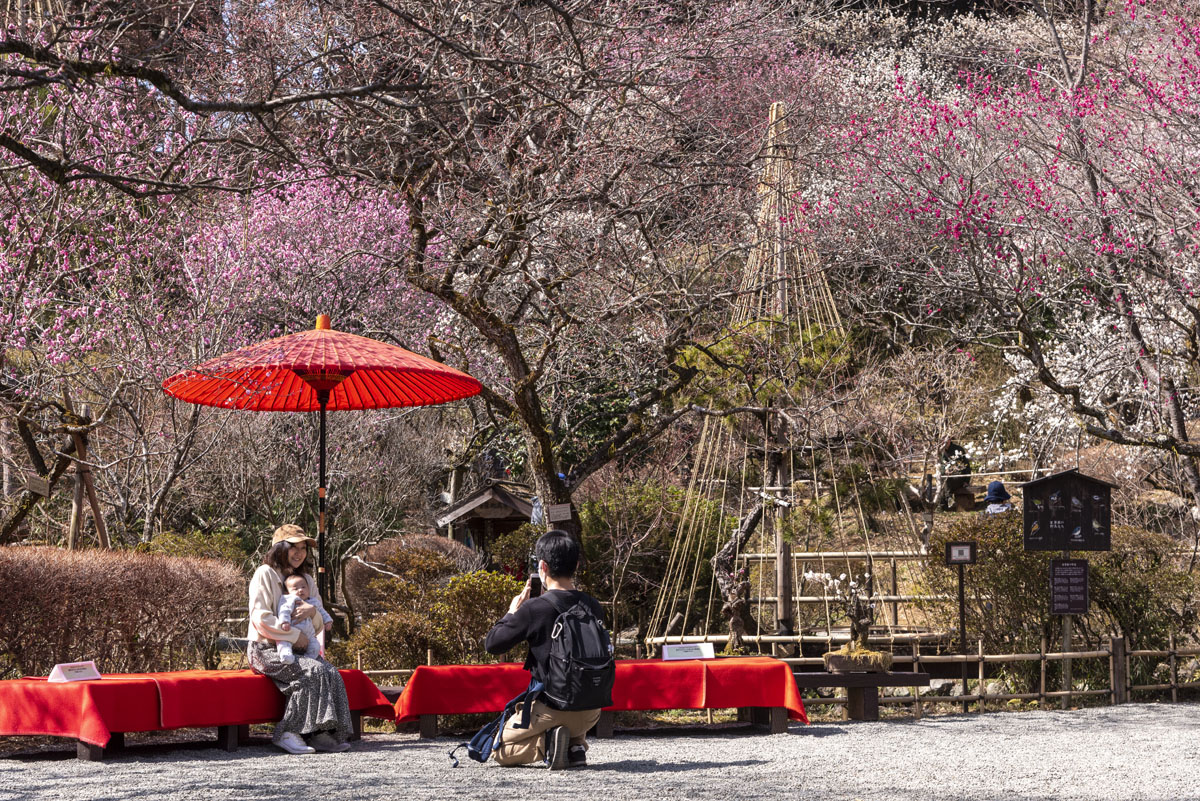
(734, 590)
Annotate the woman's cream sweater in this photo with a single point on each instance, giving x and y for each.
(266, 588)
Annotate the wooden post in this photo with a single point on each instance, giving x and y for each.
(1042, 680)
(429, 656)
(895, 592)
(7, 482)
(76, 521)
(981, 685)
(1174, 668)
(962, 632)
(85, 473)
(916, 690)
(1117, 665)
(1067, 684)
(785, 621)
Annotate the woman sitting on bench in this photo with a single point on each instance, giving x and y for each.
(316, 697)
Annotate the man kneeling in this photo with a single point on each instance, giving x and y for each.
(569, 652)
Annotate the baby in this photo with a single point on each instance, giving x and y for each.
(297, 587)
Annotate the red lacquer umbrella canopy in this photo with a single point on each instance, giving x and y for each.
(285, 374)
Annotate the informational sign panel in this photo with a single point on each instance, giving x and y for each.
(690, 650)
(558, 512)
(1068, 587)
(960, 553)
(1068, 512)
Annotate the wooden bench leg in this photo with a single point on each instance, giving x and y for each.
(88, 752)
(862, 703)
(778, 719)
(243, 734)
(227, 737)
(604, 725)
(355, 725)
(428, 726)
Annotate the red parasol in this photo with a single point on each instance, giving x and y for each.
(320, 370)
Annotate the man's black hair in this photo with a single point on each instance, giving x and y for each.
(559, 551)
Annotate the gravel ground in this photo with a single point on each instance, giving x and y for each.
(1136, 751)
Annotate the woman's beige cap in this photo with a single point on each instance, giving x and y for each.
(290, 532)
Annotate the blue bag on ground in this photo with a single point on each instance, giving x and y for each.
(487, 739)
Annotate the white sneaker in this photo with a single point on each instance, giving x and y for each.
(324, 741)
(293, 743)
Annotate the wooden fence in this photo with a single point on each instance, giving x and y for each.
(1119, 689)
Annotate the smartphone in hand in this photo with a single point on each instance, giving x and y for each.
(535, 581)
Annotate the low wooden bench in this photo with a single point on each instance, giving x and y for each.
(758, 687)
(862, 689)
(98, 714)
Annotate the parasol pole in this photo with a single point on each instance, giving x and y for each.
(322, 581)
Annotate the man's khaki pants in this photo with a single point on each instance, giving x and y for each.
(522, 746)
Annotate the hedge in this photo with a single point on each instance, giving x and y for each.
(130, 612)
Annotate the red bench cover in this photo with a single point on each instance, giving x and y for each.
(92, 710)
(640, 684)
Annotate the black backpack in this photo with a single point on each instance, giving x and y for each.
(581, 670)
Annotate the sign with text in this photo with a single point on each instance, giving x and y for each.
(74, 671)
(558, 512)
(1067, 511)
(688, 650)
(960, 553)
(1068, 586)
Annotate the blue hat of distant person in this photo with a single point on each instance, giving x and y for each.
(996, 493)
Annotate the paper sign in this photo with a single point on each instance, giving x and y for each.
(74, 671)
(558, 512)
(690, 650)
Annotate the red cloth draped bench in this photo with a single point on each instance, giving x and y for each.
(98, 713)
(762, 687)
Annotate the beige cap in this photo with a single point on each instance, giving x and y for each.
(290, 532)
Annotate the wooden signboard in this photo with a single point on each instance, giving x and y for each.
(558, 512)
(1068, 587)
(1068, 512)
(38, 485)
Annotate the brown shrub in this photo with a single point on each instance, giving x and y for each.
(131, 612)
(451, 620)
(403, 570)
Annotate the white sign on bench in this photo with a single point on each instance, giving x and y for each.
(690, 650)
(74, 671)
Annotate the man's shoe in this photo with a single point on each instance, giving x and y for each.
(558, 740)
(577, 757)
(324, 741)
(293, 743)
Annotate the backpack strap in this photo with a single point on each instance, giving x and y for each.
(530, 695)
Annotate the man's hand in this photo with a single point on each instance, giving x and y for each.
(519, 599)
